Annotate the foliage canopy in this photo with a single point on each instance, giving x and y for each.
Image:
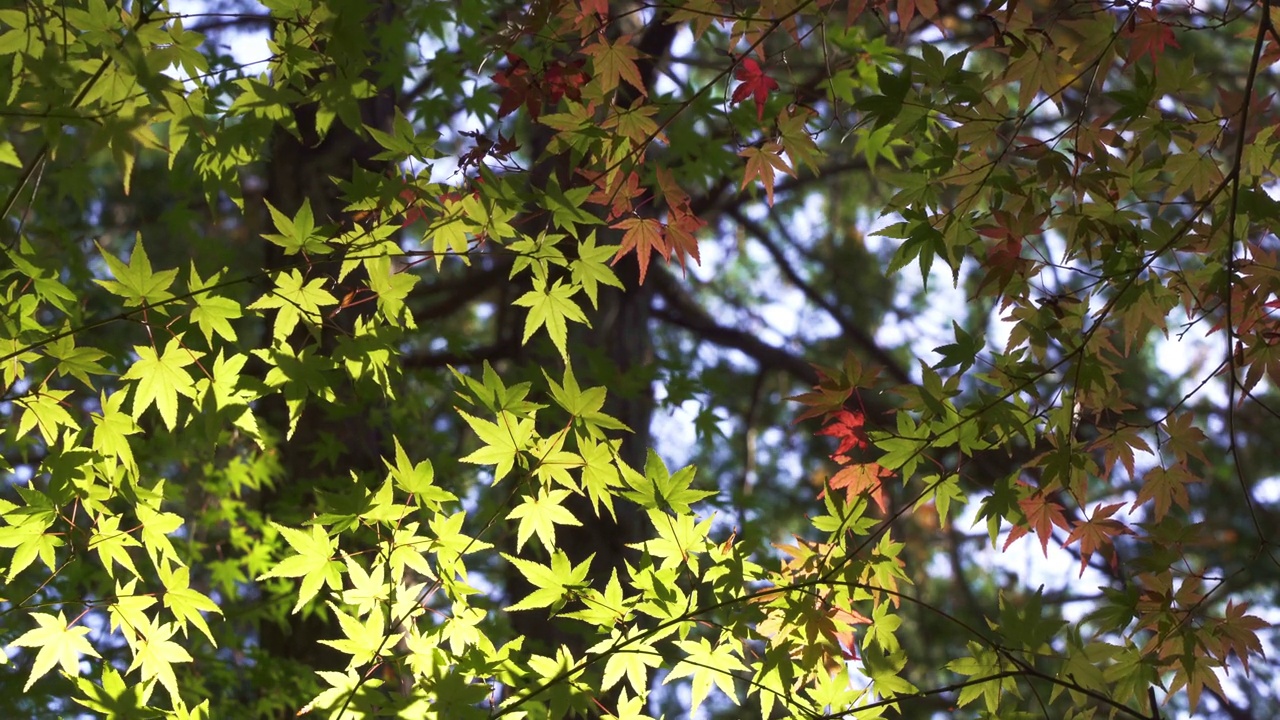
(347, 380)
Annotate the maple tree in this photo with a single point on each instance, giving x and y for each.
(345, 360)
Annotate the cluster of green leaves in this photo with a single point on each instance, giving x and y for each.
(149, 404)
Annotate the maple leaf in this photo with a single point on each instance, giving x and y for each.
(552, 307)
(1097, 532)
(754, 84)
(1004, 261)
(517, 88)
(613, 190)
(1235, 633)
(795, 138)
(540, 516)
(907, 10)
(564, 79)
(616, 62)
(847, 427)
(682, 222)
(1042, 514)
(681, 241)
(860, 478)
(1147, 35)
(136, 282)
(161, 379)
(59, 645)
(643, 235)
(762, 162)
(1165, 486)
(1185, 439)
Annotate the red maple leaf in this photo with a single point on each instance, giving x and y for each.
(846, 426)
(516, 87)
(754, 84)
(1148, 35)
(413, 208)
(564, 79)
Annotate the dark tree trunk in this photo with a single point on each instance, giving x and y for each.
(301, 169)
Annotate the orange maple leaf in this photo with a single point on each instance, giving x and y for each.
(763, 163)
(1097, 532)
(643, 235)
(860, 478)
(1042, 515)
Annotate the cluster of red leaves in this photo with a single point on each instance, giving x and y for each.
(522, 86)
(617, 190)
(485, 147)
(647, 235)
(855, 478)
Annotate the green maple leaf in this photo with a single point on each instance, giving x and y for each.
(658, 488)
(224, 388)
(362, 640)
(503, 441)
(417, 480)
(541, 515)
(553, 462)
(58, 645)
(29, 541)
(576, 401)
(566, 205)
(185, 603)
(212, 312)
(161, 379)
(884, 669)
(298, 234)
(551, 582)
(392, 288)
(707, 666)
(552, 308)
(112, 544)
(984, 663)
(605, 609)
(115, 698)
(44, 409)
(313, 562)
(78, 362)
(409, 549)
(631, 661)
(295, 299)
(155, 655)
(156, 528)
(679, 540)
(136, 282)
(599, 474)
(591, 268)
(128, 610)
(111, 430)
